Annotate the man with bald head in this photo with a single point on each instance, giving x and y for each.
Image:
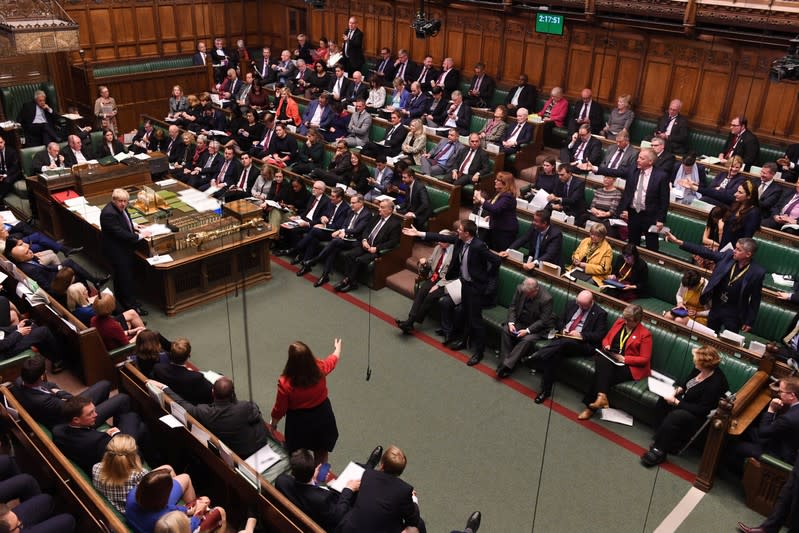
(238, 424)
(75, 152)
(673, 129)
(586, 112)
(646, 197)
(583, 327)
(448, 79)
(353, 45)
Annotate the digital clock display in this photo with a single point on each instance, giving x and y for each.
(549, 23)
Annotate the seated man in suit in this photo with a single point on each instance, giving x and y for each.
(787, 212)
(229, 170)
(417, 104)
(586, 111)
(665, 161)
(385, 502)
(769, 193)
(45, 401)
(84, 445)
(569, 195)
(417, 200)
(36, 514)
(448, 79)
(529, 319)
(38, 121)
(404, 68)
(673, 129)
(740, 142)
(621, 155)
(325, 507)
(43, 271)
(391, 144)
(48, 159)
(584, 327)
(310, 215)
(76, 152)
(459, 114)
(521, 133)
(543, 241)
(200, 176)
(239, 424)
(318, 115)
(10, 169)
(441, 160)
(786, 508)
(144, 141)
(523, 95)
(334, 218)
(436, 113)
(340, 84)
(190, 384)
(383, 234)
(426, 74)
(239, 186)
(481, 89)
(200, 56)
(358, 90)
(359, 125)
(583, 147)
(471, 164)
(38, 241)
(385, 69)
(24, 334)
(299, 80)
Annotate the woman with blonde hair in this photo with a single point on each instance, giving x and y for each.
(105, 107)
(501, 211)
(594, 255)
(620, 119)
(80, 304)
(415, 142)
(121, 470)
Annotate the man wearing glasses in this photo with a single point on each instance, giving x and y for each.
(740, 142)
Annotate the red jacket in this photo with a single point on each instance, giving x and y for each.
(637, 349)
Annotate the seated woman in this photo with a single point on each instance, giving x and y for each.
(501, 212)
(185, 156)
(400, 96)
(628, 346)
(544, 177)
(188, 118)
(621, 118)
(631, 271)
(494, 129)
(743, 218)
(684, 412)
(334, 55)
(121, 470)
(310, 154)
(721, 190)
(177, 103)
(156, 495)
(691, 287)
(415, 142)
(80, 304)
(711, 235)
(377, 95)
(694, 173)
(244, 134)
(606, 201)
(279, 192)
(110, 145)
(318, 81)
(358, 176)
(149, 351)
(283, 149)
(258, 99)
(112, 333)
(263, 183)
(594, 255)
(323, 52)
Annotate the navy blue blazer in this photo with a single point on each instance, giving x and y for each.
(362, 220)
(551, 244)
(595, 326)
(751, 284)
(524, 137)
(337, 216)
(416, 107)
(573, 200)
(481, 260)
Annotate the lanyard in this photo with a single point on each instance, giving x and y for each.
(623, 339)
(736, 278)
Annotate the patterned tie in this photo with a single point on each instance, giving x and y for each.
(617, 158)
(467, 161)
(243, 179)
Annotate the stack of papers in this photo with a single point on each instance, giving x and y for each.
(263, 459)
(198, 201)
(352, 471)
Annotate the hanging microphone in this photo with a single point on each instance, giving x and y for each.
(368, 372)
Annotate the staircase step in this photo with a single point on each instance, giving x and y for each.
(402, 282)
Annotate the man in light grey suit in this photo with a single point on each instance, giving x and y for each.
(622, 155)
(358, 128)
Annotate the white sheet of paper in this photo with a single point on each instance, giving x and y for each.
(700, 328)
(454, 290)
(263, 459)
(616, 416)
(211, 376)
(661, 388)
(779, 279)
(352, 471)
(482, 222)
(159, 259)
(516, 255)
(539, 201)
(178, 412)
(166, 182)
(171, 421)
(156, 393)
(617, 222)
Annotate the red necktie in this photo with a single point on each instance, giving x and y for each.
(577, 320)
(436, 274)
(243, 179)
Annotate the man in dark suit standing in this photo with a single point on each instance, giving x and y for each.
(200, 56)
(385, 502)
(523, 95)
(665, 160)
(740, 142)
(584, 326)
(529, 319)
(383, 234)
(673, 129)
(472, 263)
(38, 121)
(586, 111)
(583, 147)
(119, 238)
(481, 89)
(645, 200)
(83, 444)
(472, 164)
(325, 507)
(10, 170)
(543, 241)
(191, 385)
(417, 203)
(353, 46)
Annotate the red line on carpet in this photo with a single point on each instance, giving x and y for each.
(600, 430)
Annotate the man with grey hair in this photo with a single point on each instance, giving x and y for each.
(48, 159)
(673, 129)
(459, 115)
(529, 319)
(448, 79)
(38, 121)
(202, 176)
(75, 152)
(521, 133)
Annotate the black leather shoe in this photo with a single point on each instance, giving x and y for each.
(476, 358)
(653, 457)
(338, 286)
(374, 458)
(405, 325)
(348, 287)
(457, 344)
(142, 311)
(473, 523)
(303, 270)
(542, 396)
(503, 372)
(296, 261)
(324, 278)
(440, 332)
(69, 251)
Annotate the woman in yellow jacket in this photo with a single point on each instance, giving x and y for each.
(594, 255)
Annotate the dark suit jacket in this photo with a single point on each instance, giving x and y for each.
(324, 121)
(117, 237)
(389, 235)
(250, 178)
(152, 140)
(83, 446)
(325, 507)
(526, 98)
(451, 82)
(677, 142)
(748, 147)
(40, 159)
(394, 143)
(595, 325)
(69, 155)
(210, 171)
(13, 169)
(524, 137)
(416, 107)
(751, 284)
(592, 152)
(41, 274)
(388, 71)
(439, 113)
(573, 201)
(484, 94)
(105, 151)
(338, 216)
(197, 58)
(792, 154)
(657, 193)
(189, 384)
(551, 244)
(353, 94)
(779, 433)
(353, 49)
(431, 75)
(481, 260)
(320, 210)
(384, 505)
(533, 313)
(770, 200)
(411, 71)
(231, 173)
(665, 162)
(270, 73)
(595, 115)
(28, 113)
(628, 159)
(45, 408)
(478, 165)
(345, 86)
(726, 196)
(176, 152)
(418, 204)
(463, 119)
(362, 221)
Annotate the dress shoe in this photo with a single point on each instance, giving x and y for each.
(473, 523)
(476, 358)
(374, 458)
(348, 287)
(440, 332)
(601, 402)
(303, 270)
(542, 396)
(653, 457)
(586, 414)
(503, 372)
(337, 287)
(457, 344)
(746, 529)
(324, 278)
(405, 325)
(69, 251)
(57, 367)
(296, 261)
(142, 311)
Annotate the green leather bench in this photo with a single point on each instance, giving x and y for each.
(156, 65)
(705, 143)
(15, 96)
(642, 129)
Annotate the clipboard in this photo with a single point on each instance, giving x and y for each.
(608, 357)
